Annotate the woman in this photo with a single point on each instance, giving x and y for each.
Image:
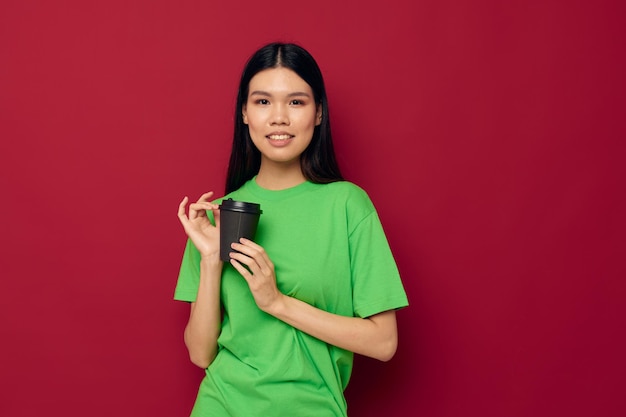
(276, 327)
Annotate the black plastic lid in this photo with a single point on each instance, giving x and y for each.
(241, 206)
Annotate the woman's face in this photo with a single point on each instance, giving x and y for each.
(281, 115)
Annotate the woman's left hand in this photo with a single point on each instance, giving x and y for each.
(260, 273)
(375, 336)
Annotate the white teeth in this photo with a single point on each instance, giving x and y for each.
(279, 137)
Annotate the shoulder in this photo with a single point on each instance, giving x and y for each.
(346, 188)
(355, 198)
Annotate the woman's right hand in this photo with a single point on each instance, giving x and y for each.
(198, 227)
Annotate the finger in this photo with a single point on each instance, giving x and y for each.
(182, 216)
(243, 271)
(253, 250)
(201, 206)
(205, 196)
(251, 244)
(256, 260)
(182, 208)
(245, 260)
(199, 209)
(246, 250)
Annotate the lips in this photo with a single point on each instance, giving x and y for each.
(279, 139)
(279, 136)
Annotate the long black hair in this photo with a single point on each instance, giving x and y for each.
(318, 161)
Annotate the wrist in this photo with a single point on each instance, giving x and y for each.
(211, 262)
(279, 306)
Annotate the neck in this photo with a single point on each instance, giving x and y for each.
(279, 177)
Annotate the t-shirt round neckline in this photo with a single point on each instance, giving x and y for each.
(275, 195)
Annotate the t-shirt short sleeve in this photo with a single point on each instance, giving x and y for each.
(376, 282)
(189, 274)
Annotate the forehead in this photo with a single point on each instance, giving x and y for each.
(278, 80)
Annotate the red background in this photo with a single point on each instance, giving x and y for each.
(489, 134)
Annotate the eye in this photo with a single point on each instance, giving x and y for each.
(263, 101)
(296, 102)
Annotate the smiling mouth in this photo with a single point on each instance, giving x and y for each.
(279, 137)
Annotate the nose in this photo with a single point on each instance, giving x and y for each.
(280, 115)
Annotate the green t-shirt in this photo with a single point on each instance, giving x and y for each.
(329, 250)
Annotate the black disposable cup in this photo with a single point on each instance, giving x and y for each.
(237, 219)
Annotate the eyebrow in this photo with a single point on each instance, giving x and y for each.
(266, 94)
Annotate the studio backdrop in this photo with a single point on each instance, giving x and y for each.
(489, 135)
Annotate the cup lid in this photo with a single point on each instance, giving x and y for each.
(241, 206)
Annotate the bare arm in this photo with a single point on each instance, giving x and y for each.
(204, 323)
(375, 336)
